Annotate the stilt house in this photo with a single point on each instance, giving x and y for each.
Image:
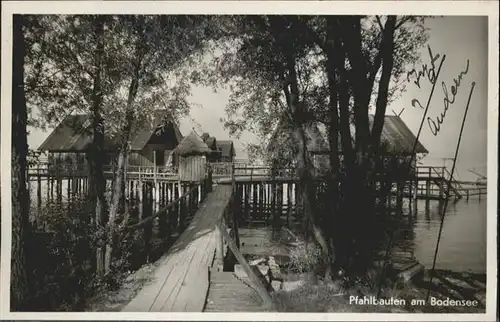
(226, 150)
(211, 142)
(396, 137)
(192, 153)
(151, 145)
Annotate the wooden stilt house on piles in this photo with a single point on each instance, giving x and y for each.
(281, 148)
(399, 142)
(226, 150)
(151, 145)
(192, 154)
(211, 142)
(396, 137)
(222, 151)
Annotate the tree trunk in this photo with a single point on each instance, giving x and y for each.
(351, 27)
(124, 206)
(387, 49)
(117, 189)
(19, 287)
(333, 133)
(304, 166)
(96, 152)
(343, 100)
(352, 185)
(114, 208)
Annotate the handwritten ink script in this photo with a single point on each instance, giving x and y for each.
(435, 126)
(430, 74)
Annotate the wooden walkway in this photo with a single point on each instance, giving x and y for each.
(229, 292)
(180, 282)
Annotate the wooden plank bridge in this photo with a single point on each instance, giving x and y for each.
(189, 277)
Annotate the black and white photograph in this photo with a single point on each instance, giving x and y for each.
(180, 161)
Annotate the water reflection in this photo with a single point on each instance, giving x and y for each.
(463, 240)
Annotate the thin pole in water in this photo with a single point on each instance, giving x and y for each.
(448, 193)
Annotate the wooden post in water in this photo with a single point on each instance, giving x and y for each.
(266, 197)
(254, 200)
(59, 188)
(48, 188)
(74, 187)
(261, 200)
(389, 198)
(289, 202)
(147, 212)
(399, 196)
(180, 192)
(247, 201)
(274, 213)
(441, 189)
(38, 189)
(140, 199)
(163, 224)
(132, 194)
(415, 193)
(280, 200)
(51, 180)
(68, 189)
(234, 212)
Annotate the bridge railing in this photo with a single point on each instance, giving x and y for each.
(165, 225)
(79, 169)
(146, 171)
(229, 219)
(430, 172)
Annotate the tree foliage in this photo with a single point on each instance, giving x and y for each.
(333, 70)
(247, 62)
(117, 69)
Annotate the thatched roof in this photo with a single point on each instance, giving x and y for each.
(395, 134)
(192, 145)
(282, 138)
(161, 123)
(74, 133)
(398, 136)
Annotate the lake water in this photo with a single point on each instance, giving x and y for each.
(463, 240)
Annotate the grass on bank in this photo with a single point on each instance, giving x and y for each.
(317, 295)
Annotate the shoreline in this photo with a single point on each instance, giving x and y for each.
(451, 292)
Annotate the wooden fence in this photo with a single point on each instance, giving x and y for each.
(47, 170)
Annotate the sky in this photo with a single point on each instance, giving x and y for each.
(459, 38)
